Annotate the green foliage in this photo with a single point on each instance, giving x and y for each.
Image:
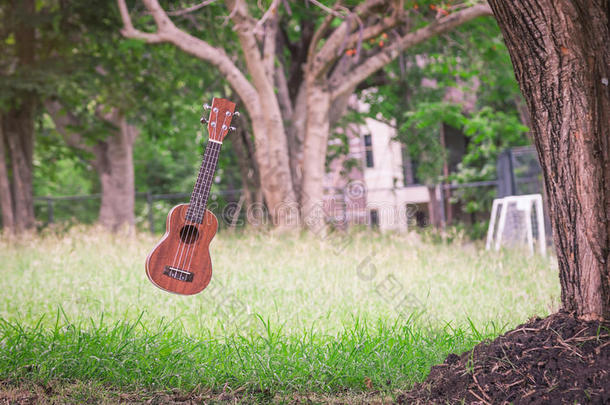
(58, 169)
(60, 27)
(421, 135)
(474, 60)
(489, 133)
(338, 144)
(159, 88)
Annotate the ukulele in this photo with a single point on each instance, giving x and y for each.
(180, 262)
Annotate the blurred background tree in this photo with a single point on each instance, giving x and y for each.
(294, 70)
(115, 115)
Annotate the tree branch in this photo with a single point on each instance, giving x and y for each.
(190, 9)
(244, 26)
(271, 11)
(374, 30)
(377, 61)
(283, 94)
(111, 116)
(270, 40)
(129, 31)
(317, 36)
(332, 11)
(322, 61)
(168, 32)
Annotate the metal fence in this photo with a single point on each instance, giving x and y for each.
(150, 209)
(518, 172)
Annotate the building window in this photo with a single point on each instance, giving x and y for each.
(414, 166)
(417, 215)
(409, 168)
(368, 150)
(374, 217)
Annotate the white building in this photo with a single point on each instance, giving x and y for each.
(381, 191)
(390, 196)
(393, 198)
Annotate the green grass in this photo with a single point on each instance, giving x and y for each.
(283, 314)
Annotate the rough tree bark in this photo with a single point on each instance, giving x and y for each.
(6, 195)
(250, 179)
(114, 164)
(18, 131)
(560, 52)
(112, 158)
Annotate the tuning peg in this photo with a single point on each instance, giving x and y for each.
(206, 106)
(236, 114)
(232, 128)
(203, 120)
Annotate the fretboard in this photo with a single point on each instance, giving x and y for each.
(201, 191)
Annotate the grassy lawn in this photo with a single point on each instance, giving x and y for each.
(283, 315)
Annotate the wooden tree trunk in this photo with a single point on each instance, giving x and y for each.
(112, 160)
(314, 155)
(561, 54)
(271, 151)
(18, 129)
(434, 208)
(6, 195)
(295, 135)
(250, 179)
(114, 165)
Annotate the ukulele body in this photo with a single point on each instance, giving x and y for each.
(180, 263)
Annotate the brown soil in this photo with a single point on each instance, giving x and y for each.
(554, 360)
(56, 392)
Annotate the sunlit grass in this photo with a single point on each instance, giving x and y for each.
(283, 312)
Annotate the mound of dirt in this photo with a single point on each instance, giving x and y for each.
(558, 359)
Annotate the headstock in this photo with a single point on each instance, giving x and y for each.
(221, 114)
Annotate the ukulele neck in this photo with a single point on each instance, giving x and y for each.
(201, 191)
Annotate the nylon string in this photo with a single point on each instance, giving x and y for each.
(207, 185)
(196, 191)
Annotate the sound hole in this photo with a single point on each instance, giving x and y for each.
(189, 234)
